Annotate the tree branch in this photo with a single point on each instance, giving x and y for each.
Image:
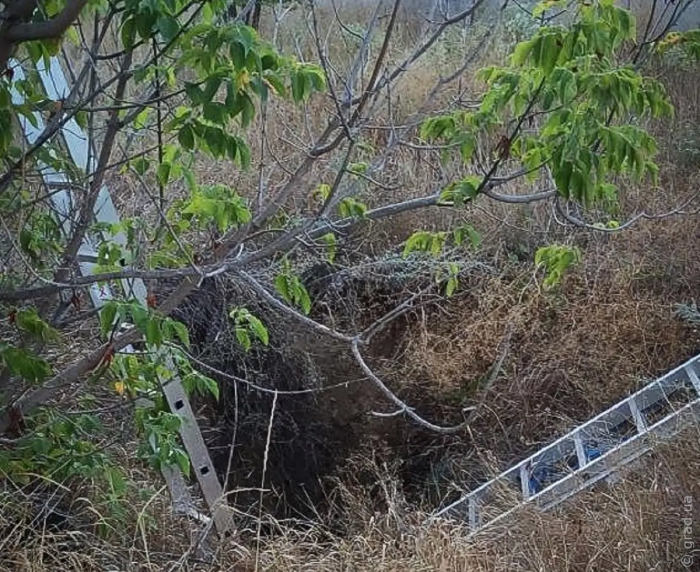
(678, 211)
(403, 407)
(22, 32)
(15, 28)
(354, 345)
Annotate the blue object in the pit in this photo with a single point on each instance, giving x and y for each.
(541, 477)
(592, 452)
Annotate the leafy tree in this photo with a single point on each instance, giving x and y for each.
(564, 109)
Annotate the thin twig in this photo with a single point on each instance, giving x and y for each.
(403, 407)
(262, 480)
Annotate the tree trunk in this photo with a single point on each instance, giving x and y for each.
(255, 20)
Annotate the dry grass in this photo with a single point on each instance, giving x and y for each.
(646, 521)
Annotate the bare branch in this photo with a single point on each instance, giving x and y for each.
(88, 207)
(520, 199)
(403, 407)
(494, 373)
(677, 211)
(240, 380)
(354, 344)
(34, 399)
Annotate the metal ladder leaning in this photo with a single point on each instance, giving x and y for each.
(592, 452)
(78, 146)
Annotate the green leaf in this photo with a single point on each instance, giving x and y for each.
(317, 76)
(81, 118)
(556, 260)
(420, 241)
(297, 87)
(24, 364)
(451, 286)
(144, 24)
(521, 53)
(238, 54)
(243, 153)
(168, 27)
(163, 173)
(216, 141)
(128, 32)
(141, 120)
(140, 317)
(462, 191)
(438, 127)
(321, 192)
(331, 245)
(211, 386)
(282, 287)
(215, 112)
(195, 94)
(107, 316)
(258, 329)
(182, 460)
(304, 300)
(467, 231)
(29, 321)
(359, 168)
(141, 165)
(292, 290)
(549, 52)
(275, 82)
(243, 338)
(154, 335)
(352, 208)
(211, 87)
(186, 137)
(181, 332)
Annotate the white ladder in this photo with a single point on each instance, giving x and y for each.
(590, 453)
(78, 145)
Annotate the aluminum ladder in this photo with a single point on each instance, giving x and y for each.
(594, 451)
(79, 148)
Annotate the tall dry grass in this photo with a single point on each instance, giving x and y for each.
(646, 521)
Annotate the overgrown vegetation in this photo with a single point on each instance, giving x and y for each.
(384, 264)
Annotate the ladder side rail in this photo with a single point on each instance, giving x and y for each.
(628, 451)
(62, 202)
(78, 145)
(57, 183)
(173, 390)
(684, 369)
(611, 462)
(531, 460)
(57, 88)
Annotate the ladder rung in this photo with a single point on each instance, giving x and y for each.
(473, 512)
(637, 415)
(693, 376)
(580, 451)
(525, 481)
